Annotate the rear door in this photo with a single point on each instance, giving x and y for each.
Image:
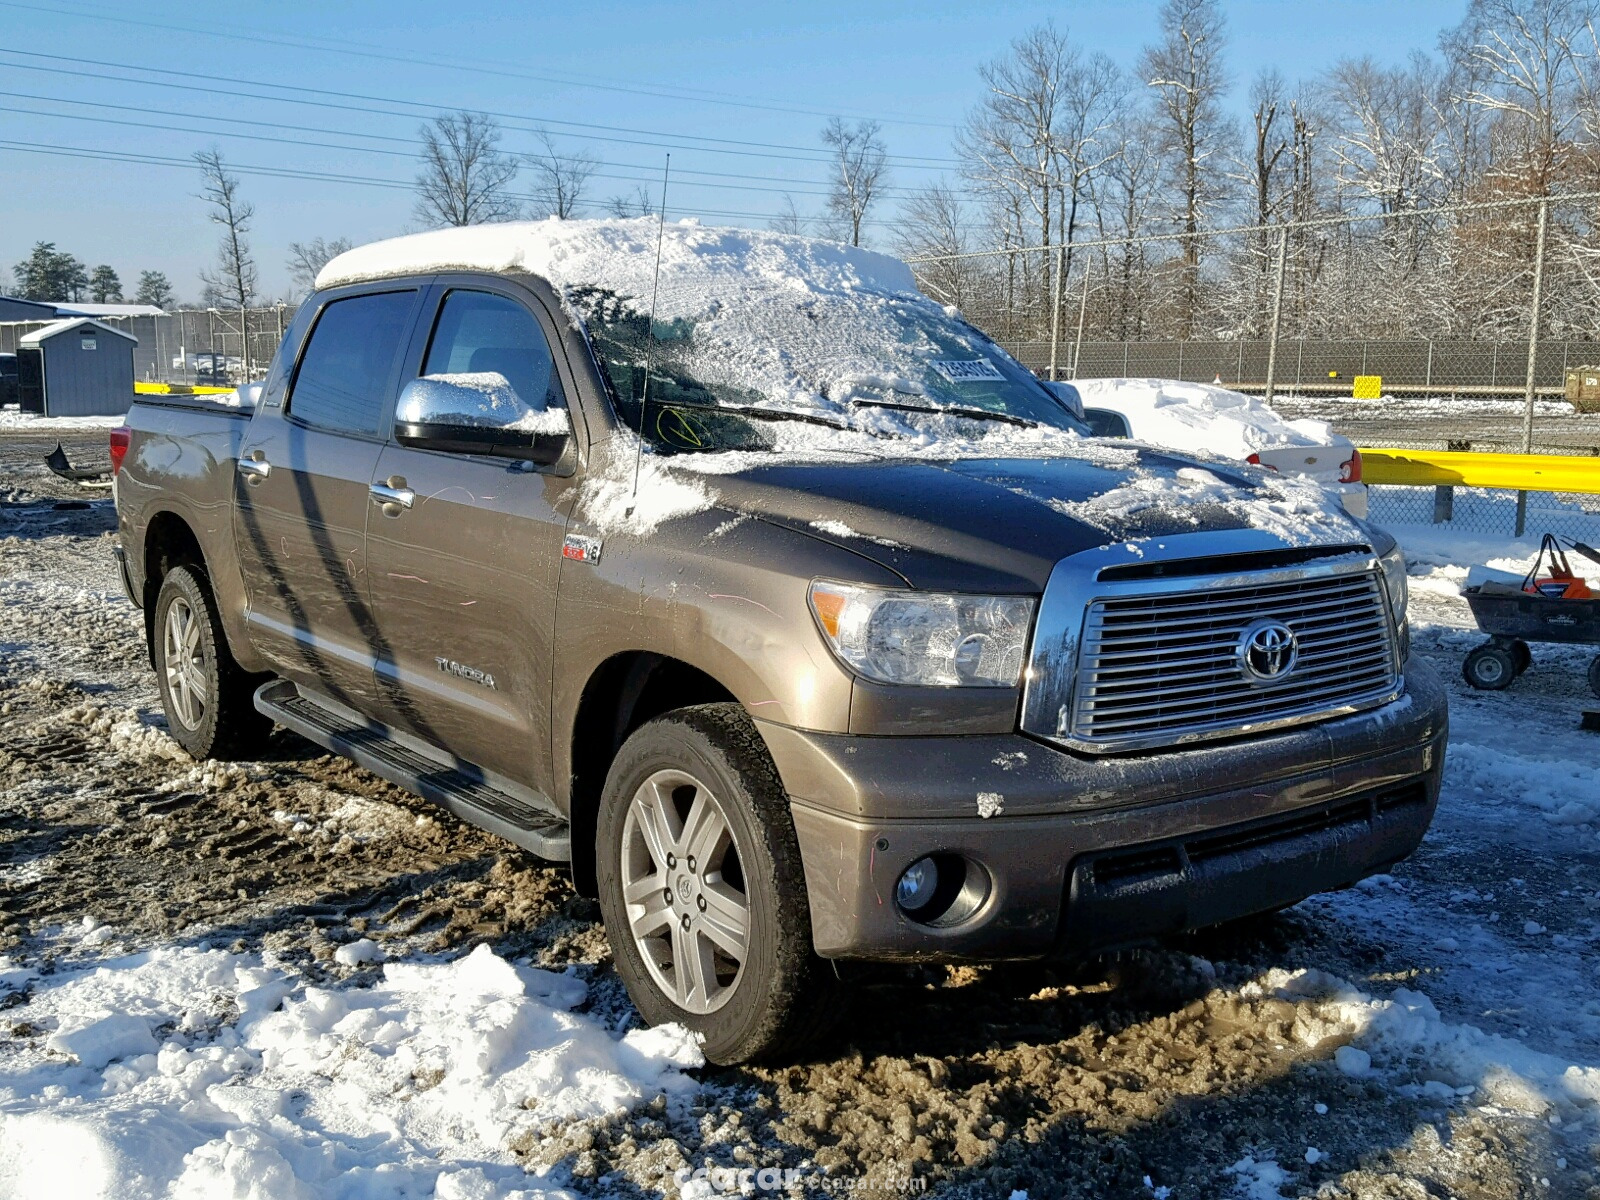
(301, 496)
(463, 582)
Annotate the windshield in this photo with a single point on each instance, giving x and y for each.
(759, 354)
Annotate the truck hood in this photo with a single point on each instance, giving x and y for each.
(1001, 524)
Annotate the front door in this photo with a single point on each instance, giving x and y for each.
(302, 498)
(463, 582)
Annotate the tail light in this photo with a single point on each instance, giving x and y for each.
(1350, 471)
(120, 437)
(1255, 461)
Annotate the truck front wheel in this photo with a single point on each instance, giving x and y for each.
(207, 697)
(702, 890)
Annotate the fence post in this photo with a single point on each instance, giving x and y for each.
(1083, 308)
(1533, 357)
(1055, 313)
(1277, 313)
(1427, 382)
(1444, 496)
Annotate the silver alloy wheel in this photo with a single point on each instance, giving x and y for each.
(684, 891)
(185, 664)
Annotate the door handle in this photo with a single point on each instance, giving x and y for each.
(392, 496)
(254, 470)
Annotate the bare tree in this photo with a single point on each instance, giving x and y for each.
(306, 260)
(464, 173)
(1123, 195)
(562, 178)
(1010, 142)
(637, 205)
(860, 171)
(1532, 72)
(933, 224)
(1387, 132)
(235, 274)
(1185, 68)
(788, 219)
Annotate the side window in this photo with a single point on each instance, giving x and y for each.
(344, 372)
(480, 332)
(1106, 423)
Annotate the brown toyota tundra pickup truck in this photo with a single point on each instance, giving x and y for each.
(780, 603)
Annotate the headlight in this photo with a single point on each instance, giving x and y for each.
(1394, 582)
(926, 639)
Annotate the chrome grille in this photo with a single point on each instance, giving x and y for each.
(1162, 667)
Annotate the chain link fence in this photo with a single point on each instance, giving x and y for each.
(200, 346)
(1472, 315)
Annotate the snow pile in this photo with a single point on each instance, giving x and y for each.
(14, 418)
(1199, 417)
(192, 1072)
(1406, 1030)
(124, 729)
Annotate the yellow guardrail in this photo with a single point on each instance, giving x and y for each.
(178, 389)
(1517, 472)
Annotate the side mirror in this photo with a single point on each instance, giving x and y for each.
(478, 413)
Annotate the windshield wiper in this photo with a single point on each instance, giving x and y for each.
(976, 414)
(776, 414)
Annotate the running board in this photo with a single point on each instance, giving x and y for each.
(491, 805)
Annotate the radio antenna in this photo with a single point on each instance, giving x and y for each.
(650, 338)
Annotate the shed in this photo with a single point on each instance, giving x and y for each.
(76, 368)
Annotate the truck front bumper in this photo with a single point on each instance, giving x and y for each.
(1081, 854)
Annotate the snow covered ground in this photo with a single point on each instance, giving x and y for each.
(287, 979)
(14, 420)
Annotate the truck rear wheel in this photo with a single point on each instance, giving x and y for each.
(702, 890)
(206, 695)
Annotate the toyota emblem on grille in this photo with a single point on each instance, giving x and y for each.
(1268, 651)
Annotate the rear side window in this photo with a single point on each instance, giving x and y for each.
(480, 332)
(344, 374)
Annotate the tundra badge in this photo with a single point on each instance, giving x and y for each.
(461, 671)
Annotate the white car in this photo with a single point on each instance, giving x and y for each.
(1211, 421)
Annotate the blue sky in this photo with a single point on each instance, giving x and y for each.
(762, 78)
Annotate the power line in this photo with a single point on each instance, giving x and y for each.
(476, 66)
(406, 154)
(605, 132)
(266, 171)
(795, 187)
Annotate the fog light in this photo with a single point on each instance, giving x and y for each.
(917, 886)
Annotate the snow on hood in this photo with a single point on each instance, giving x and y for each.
(697, 261)
(1201, 418)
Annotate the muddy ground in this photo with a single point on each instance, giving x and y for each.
(1106, 1079)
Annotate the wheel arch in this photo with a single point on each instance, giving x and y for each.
(169, 541)
(621, 694)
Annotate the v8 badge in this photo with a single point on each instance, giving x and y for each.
(580, 548)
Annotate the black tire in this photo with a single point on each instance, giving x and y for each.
(1522, 655)
(213, 715)
(1594, 675)
(1490, 667)
(780, 996)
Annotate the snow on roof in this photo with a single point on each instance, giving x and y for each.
(696, 260)
(1199, 417)
(75, 309)
(60, 327)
